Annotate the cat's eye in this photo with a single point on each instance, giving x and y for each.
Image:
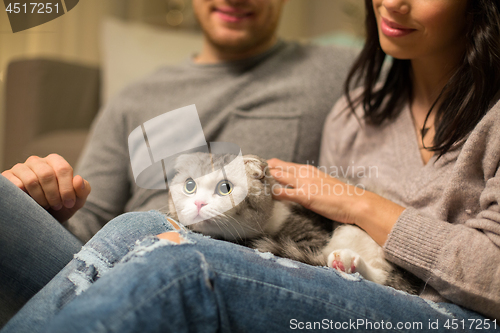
(190, 186)
(224, 187)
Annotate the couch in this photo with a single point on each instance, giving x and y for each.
(49, 106)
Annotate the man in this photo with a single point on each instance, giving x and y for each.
(268, 96)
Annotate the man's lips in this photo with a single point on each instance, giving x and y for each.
(393, 29)
(232, 14)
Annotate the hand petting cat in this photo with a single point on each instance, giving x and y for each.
(334, 199)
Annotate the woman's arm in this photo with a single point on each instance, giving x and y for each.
(460, 261)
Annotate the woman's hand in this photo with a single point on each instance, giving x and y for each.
(336, 200)
(50, 182)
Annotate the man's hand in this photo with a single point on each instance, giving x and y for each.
(50, 182)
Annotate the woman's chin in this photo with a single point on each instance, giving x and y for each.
(396, 51)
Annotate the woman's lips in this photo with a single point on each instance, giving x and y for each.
(231, 14)
(392, 29)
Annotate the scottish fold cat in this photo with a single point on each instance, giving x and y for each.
(283, 228)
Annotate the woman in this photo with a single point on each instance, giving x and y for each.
(434, 146)
(437, 94)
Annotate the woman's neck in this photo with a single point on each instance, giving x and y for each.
(429, 77)
(428, 80)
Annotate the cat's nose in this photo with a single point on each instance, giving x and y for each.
(200, 204)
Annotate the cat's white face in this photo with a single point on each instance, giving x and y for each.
(199, 195)
(213, 202)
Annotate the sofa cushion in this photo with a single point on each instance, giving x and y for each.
(133, 50)
(67, 143)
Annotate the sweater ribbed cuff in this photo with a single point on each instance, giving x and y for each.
(415, 242)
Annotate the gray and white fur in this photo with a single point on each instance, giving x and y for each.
(283, 228)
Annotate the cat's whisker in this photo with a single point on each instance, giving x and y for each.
(245, 226)
(224, 219)
(218, 220)
(220, 227)
(229, 225)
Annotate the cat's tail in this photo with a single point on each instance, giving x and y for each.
(287, 248)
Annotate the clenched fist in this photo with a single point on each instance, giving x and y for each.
(50, 182)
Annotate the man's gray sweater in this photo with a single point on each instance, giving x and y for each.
(272, 105)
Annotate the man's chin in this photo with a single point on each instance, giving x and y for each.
(234, 41)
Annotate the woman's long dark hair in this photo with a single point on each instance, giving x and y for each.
(465, 98)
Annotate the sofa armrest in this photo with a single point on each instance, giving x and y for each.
(44, 97)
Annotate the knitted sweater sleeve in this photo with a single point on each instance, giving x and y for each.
(460, 261)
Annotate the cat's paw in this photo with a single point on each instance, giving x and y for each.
(344, 260)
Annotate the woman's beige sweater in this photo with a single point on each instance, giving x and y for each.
(449, 234)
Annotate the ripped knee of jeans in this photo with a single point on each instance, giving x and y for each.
(151, 243)
(174, 224)
(172, 236)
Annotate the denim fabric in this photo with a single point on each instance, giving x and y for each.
(95, 259)
(34, 247)
(118, 284)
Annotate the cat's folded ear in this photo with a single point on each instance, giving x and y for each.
(256, 167)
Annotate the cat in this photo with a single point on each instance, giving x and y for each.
(283, 228)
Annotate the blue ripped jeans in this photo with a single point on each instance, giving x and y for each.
(34, 247)
(118, 284)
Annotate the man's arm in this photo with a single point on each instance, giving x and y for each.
(105, 164)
